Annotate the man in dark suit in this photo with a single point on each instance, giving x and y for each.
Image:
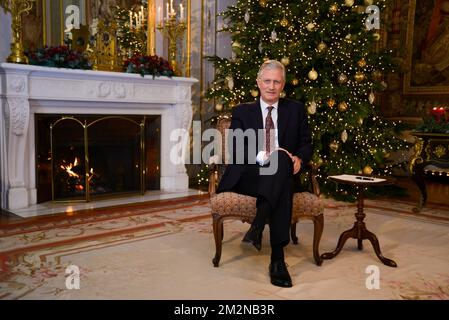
(283, 127)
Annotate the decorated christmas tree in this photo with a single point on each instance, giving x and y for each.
(334, 66)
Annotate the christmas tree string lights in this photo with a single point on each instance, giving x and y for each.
(332, 66)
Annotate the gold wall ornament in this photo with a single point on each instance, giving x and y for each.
(440, 151)
(17, 8)
(173, 28)
(105, 55)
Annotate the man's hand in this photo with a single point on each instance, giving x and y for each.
(296, 164)
(296, 161)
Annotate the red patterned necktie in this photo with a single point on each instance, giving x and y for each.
(269, 130)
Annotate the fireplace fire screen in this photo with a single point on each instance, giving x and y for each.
(88, 156)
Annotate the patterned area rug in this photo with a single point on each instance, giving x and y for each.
(164, 251)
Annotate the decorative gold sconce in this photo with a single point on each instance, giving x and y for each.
(17, 8)
(172, 28)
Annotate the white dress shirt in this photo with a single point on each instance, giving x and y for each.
(262, 157)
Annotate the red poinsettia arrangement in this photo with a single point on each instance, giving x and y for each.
(148, 65)
(59, 57)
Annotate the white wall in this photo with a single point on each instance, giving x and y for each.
(5, 35)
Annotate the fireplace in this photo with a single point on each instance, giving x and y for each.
(78, 135)
(83, 157)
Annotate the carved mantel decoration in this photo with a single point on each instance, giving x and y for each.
(28, 90)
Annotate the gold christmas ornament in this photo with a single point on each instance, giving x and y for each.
(349, 37)
(219, 107)
(359, 76)
(285, 61)
(360, 121)
(331, 102)
(349, 3)
(384, 85)
(334, 145)
(386, 154)
(344, 136)
(342, 78)
(333, 8)
(342, 106)
(321, 46)
(376, 36)
(263, 3)
(377, 75)
(295, 82)
(361, 63)
(367, 170)
(310, 26)
(311, 109)
(283, 94)
(313, 75)
(284, 22)
(254, 93)
(368, 2)
(235, 44)
(232, 104)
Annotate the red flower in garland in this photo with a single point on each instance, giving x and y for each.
(59, 57)
(148, 65)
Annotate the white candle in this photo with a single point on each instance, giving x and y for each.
(137, 20)
(171, 6)
(181, 8)
(159, 12)
(168, 10)
(130, 19)
(143, 13)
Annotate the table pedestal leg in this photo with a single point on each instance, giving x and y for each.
(359, 232)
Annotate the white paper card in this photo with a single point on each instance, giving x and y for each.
(355, 178)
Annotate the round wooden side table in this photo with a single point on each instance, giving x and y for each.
(359, 230)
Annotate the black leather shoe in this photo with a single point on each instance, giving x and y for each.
(279, 274)
(254, 236)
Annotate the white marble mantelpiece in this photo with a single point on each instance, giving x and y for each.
(27, 90)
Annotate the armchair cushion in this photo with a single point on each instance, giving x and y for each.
(234, 204)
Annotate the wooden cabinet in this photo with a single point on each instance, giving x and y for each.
(431, 157)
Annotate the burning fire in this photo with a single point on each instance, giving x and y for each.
(68, 168)
(79, 186)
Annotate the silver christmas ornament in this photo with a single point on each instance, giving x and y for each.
(230, 81)
(371, 97)
(247, 16)
(312, 107)
(274, 36)
(344, 136)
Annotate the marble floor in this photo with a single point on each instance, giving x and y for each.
(49, 208)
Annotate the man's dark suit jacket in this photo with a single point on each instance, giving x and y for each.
(293, 134)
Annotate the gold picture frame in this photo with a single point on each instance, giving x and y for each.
(427, 54)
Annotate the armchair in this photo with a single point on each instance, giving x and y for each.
(230, 205)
